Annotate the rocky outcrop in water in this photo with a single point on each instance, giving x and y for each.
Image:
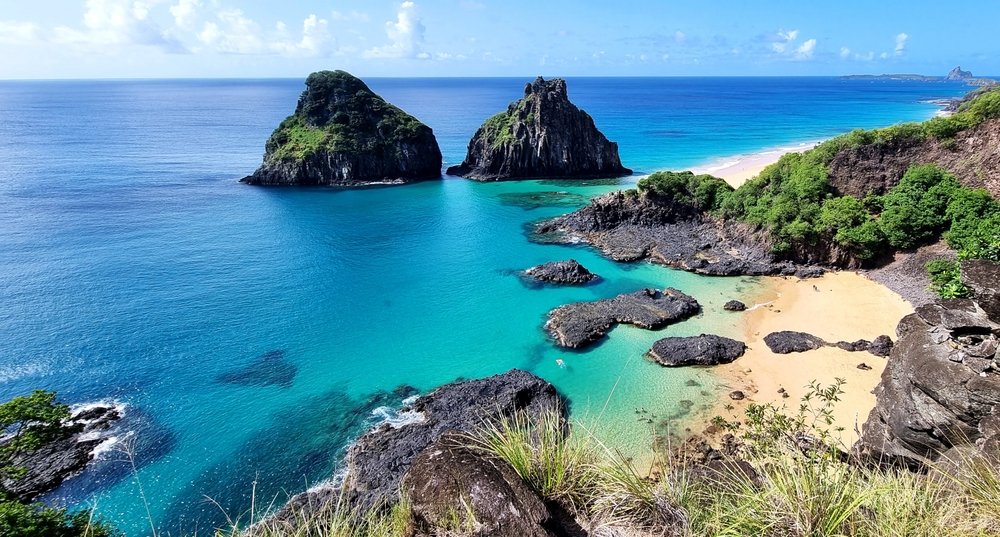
(696, 350)
(561, 272)
(630, 225)
(734, 305)
(378, 460)
(344, 134)
(540, 135)
(65, 457)
(578, 325)
(941, 380)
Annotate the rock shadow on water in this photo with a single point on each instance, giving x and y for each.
(269, 369)
(530, 201)
(300, 446)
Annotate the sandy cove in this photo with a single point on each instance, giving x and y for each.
(739, 169)
(840, 306)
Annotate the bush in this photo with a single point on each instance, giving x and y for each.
(36, 520)
(703, 192)
(946, 279)
(914, 212)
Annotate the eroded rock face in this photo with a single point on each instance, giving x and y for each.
(583, 323)
(63, 458)
(463, 490)
(568, 272)
(787, 341)
(344, 134)
(696, 350)
(984, 278)
(541, 135)
(940, 381)
(379, 459)
(630, 225)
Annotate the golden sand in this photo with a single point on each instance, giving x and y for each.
(842, 306)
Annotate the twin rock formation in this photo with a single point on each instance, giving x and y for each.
(343, 134)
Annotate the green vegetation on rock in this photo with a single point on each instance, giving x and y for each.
(704, 192)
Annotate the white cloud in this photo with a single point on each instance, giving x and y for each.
(17, 32)
(845, 53)
(353, 16)
(901, 44)
(184, 12)
(784, 39)
(315, 40)
(805, 51)
(118, 22)
(232, 33)
(406, 36)
(680, 36)
(884, 55)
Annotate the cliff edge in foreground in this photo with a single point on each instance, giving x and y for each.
(540, 135)
(343, 134)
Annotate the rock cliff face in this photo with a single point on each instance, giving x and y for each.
(973, 156)
(958, 74)
(541, 135)
(942, 380)
(343, 134)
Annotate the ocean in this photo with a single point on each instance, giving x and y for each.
(250, 332)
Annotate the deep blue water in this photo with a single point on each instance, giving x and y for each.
(134, 267)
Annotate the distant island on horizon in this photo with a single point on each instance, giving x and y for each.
(955, 75)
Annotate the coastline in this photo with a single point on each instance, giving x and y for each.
(738, 169)
(839, 306)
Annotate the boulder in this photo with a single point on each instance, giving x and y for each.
(578, 325)
(786, 341)
(983, 277)
(881, 346)
(541, 135)
(854, 346)
(696, 350)
(940, 382)
(343, 134)
(734, 305)
(568, 272)
(378, 460)
(456, 488)
(65, 457)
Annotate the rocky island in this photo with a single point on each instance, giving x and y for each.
(542, 135)
(343, 134)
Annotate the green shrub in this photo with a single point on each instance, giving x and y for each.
(704, 192)
(946, 279)
(914, 211)
(36, 520)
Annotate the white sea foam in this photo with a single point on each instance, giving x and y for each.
(395, 417)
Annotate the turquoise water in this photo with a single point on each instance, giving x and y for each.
(134, 267)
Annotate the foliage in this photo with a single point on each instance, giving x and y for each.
(946, 279)
(914, 212)
(703, 192)
(36, 520)
(31, 421)
(498, 129)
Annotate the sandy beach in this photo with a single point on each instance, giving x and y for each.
(738, 169)
(839, 306)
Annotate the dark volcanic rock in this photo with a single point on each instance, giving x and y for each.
(344, 134)
(787, 341)
(940, 381)
(449, 480)
(629, 226)
(854, 346)
(734, 305)
(696, 350)
(269, 369)
(881, 346)
(562, 272)
(541, 135)
(984, 278)
(65, 457)
(577, 325)
(377, 461)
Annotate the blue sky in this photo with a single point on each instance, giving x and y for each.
(262, 38)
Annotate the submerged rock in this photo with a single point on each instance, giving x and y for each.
(344, 134)
(63, 458)
(561, 272)
(787, 341)
(583, 323)
(456, 487)
(542, 135)
(696, 350)
(269, 369)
